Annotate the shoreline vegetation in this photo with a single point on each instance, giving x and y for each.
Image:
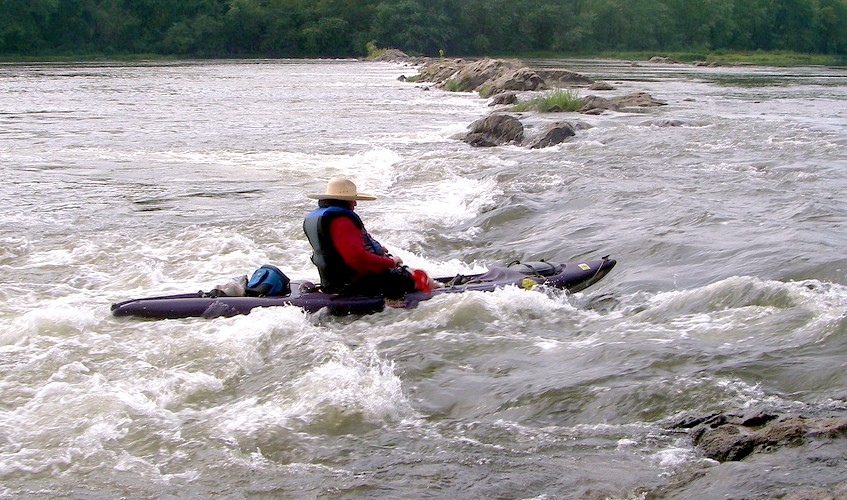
(224, 29)
(721, 58)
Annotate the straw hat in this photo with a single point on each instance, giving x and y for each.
(341, 188)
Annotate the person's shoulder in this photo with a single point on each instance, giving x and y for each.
(343, 222)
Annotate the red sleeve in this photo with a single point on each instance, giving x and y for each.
(349, 243)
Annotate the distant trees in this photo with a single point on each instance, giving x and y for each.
(341, 28)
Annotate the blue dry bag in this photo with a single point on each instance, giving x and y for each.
(268, 281)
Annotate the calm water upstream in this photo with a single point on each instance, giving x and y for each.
(128, 180)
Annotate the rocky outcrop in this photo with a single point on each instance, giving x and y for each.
(390, 55)
(482, 76)
(596, 105)
(489, 77)
(503, 79)
(563, 78)
(669, 60)
(600, 86)
(520, 79)
(663, 60)
(555, 133)
(501, 129)
(495, 130)
(505, 98)
(731, 437)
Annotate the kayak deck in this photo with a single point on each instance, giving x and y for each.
(571, 276)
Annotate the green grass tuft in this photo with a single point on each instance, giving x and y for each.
(557, 100)
(372, 49)
(458, 85)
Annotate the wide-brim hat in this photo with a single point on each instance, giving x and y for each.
(341, 188)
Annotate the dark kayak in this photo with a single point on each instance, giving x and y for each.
(570, 276)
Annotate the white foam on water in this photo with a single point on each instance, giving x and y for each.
(418, 209)
(63, 317)
(671, 458)
(88, 393)
(324, 378)
(371, 170)
(73, 419)
(347, 382)
(506, 313)
(734, 305)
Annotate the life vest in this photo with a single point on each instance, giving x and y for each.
(335, 273)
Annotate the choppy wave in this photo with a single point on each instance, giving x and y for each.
(129, 181)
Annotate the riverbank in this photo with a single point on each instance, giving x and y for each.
(763, 58)
(760, 58)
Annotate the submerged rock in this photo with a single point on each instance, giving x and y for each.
(667, 122)
(732, 437)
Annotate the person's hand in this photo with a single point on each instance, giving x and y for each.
(397, 261)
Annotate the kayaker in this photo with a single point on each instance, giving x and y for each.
(348, 258)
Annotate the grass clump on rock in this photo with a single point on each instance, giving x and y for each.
(459, 85)
(373, 50)
(557, 100)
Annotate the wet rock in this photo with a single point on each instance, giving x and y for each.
(667, 123)
(493, 76)
(504, 98)
(835, 492)
(437, 71)
(790, 431)
(600, 86)
(662, 60)
(725, 443)
(475, 75)
(495, 130)
(730, 437)
(555, 133)
(636, 100)
(830, 428)
(563, 78)
(757, 418)
(691, 421)
(391, 55)
(521, 79)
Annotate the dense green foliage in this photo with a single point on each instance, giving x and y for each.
(338, 28)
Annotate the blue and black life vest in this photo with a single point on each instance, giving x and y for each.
(335, 274)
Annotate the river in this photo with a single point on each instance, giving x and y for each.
(725, 210)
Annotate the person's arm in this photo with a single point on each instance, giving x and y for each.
(348, 240)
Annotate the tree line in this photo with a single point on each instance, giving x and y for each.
(343, 28)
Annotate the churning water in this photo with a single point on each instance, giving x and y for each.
(725, 210)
